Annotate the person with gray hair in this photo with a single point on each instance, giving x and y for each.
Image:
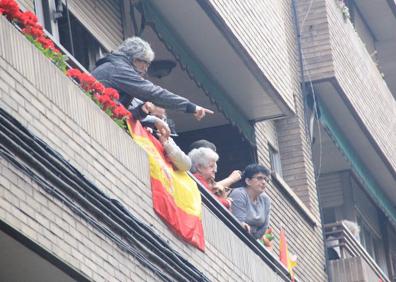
(204, 168)
(124, 70)
(136, 48)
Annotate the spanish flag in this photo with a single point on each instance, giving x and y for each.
(176, 198)
(289, 261)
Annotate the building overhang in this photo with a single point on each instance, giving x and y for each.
(199, 36)
(380, 17)
(354, 142)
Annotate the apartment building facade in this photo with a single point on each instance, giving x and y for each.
(75, 188)
(349, 65)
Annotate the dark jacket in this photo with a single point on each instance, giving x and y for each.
(114, 70)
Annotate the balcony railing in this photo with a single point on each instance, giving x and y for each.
(233, 224)
(340, 238)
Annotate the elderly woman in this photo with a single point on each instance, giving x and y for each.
(250, 205)
(124, 70)
(204, 168)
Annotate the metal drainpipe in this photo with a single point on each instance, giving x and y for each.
(303, 90)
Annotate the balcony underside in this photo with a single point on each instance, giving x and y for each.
(214, 61)
(379, 15)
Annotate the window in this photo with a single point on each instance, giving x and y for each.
(47, 13)
(275, 160)
(74, 37)
(81, 44)
(329, 215)
(368, 239)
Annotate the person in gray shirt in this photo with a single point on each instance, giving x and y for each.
(250, 205)
(125, 70)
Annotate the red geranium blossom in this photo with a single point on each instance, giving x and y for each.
(120, 112)
(105, 101)
(10, 8)
(75, 73)
(30, 27)
(87, 81)
(98, 87)
(112, 93)
(46, 42)
(28, 18)
(35, 31)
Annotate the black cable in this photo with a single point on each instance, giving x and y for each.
(66, 201)
(52, 190)
(98, 215)
(132, 227)
(93, 209)
(56, 169)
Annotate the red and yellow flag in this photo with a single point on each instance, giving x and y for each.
(285, 258)
(176, 198)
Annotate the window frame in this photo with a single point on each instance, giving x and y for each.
(275, 160)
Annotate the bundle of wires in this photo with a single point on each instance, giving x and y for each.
(60, 179)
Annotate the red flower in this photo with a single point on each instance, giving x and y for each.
(35, 31)
(46, 42)
(28, 18)
(105, 101)
(9, 8)
(87, 81)
(98, 87)
(75, 73)
(112, 93)
(120, 112)
(29, 23)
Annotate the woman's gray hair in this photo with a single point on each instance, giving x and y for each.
(201, 157)
(136, 48)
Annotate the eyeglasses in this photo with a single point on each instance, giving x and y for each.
(141, 66)
(144, 62)
(262, 178)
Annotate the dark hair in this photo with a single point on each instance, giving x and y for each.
(253, 169)
(202, 143)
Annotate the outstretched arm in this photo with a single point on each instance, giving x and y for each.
(129, 81)
(178, 158)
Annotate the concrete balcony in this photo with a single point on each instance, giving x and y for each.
(354, 263)
(43, 100)
(349, 85)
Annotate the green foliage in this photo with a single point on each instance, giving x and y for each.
(57, 58)
(121, 123)
(60, 61)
